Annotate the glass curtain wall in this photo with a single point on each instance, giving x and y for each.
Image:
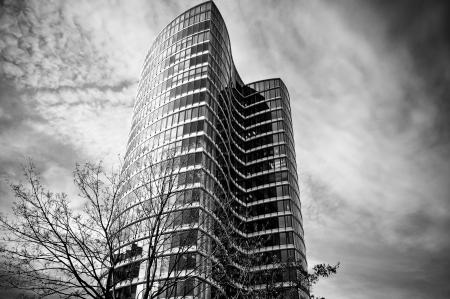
(232, 142)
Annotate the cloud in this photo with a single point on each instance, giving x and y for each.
(370, 129)
(69, 70)
(369, 89)
(69, 77)
(422, 29)
(78, 65)
(60, 92)
(20, 139)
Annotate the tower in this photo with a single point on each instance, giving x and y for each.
(232, 145)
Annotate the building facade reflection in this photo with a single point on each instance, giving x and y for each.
(233, 140)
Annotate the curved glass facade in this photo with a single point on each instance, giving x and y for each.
(229, 136)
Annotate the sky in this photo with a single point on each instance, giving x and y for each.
(369, 85)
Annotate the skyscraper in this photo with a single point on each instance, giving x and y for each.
(230, 140)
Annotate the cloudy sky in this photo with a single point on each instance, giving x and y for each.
(369, 85)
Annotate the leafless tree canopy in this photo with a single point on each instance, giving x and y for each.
(52, 248)
(133, 229)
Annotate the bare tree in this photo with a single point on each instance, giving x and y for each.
(279, 278)
(257, 274)
(178, 220)
(52, 249)
(145, 227)
(156, 227)
(165, 222)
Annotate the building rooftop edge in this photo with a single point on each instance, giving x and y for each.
(226, 28)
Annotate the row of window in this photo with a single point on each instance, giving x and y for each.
(146, 117)
(190, 177)
(265, 140)
(269, 85)
(168, 61)
(276, 256)
(184, 239)
(216, 75)
(249, 113)
(262, 96)
(145, 103)
(180, 289)
(265, 128)
(267, 152)
(269, 114)
(180, 146)
(273, 276)
(172, 75)
(173, 105)
(219, 30)
(272, 151)
(266, 179)
(221, 65)
(177, 35)
(279, 206)
(198, 27)
(150, 66)
(269, 223)
(200, 158)
(192, 143)
(191, 215)
(175, 132)
(269, 207)
(146, 94)
(277, 239)
(184, 217)
(167, 37)
(266, 193)
(199, 141)
(180, 262)
(159, 83)
(264, 85)
(274, 103)
(263, 117)
(218, 60)
(134, 251)
(136, 150)
(173, 92)
(128, 292)
(127, 272)
(266, 165)
(160, 70)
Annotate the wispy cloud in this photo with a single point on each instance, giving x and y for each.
(370, 133)
(369, 89)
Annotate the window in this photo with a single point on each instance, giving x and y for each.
(182, 262)
(185, 238)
